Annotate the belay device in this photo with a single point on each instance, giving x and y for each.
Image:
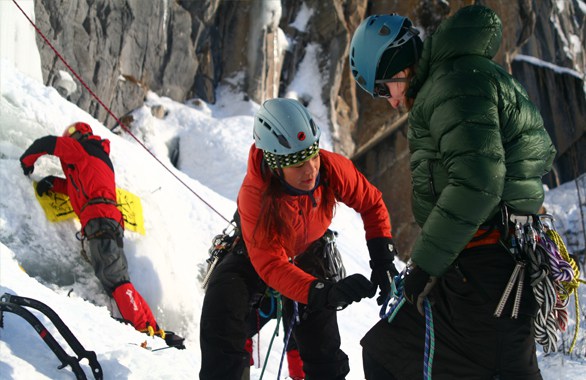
(15, 304)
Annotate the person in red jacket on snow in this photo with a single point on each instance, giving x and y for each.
(285, 207)
(90, 184)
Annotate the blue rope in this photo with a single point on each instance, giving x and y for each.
(272, 310)
(429, 341)
(279, 315)
(294, 319)
(396, 299)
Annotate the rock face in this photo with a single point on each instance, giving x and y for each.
(183, 49)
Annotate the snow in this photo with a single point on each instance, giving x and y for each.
(302, 18)
(184, 208)
(548, 65)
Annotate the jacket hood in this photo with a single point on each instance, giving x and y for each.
(105, 144)
(473, 30)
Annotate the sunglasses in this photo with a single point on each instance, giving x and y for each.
(382, 91)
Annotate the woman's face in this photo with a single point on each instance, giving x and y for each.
(303, 176)
(398, 89)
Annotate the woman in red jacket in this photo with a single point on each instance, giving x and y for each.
(285, 206)
(90, 184)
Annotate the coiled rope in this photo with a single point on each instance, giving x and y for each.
(570, 286)
(554, 277)
(545, 295)
(126, 129)
(396, 300)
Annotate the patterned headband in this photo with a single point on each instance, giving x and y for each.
(285, 160)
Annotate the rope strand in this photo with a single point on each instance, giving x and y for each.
(397, 299)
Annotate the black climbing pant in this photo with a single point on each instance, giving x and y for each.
(232, 293)
(470, 342)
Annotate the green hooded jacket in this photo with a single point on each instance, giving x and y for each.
(476, 140)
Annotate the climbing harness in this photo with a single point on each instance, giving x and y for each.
(99, 200)
(394, 301)
(15, 304)
(537, 248)
(333, 265)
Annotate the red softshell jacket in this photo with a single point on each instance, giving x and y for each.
(88, 170)
(309, 223)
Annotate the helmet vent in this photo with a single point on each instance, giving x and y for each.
(359, 78)
(384, 31)
(282, 140)
(265, 124)
(313, 127)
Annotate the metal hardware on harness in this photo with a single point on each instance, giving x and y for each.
(221, 245)
(516, 278)
(548, 271)
(332, 258)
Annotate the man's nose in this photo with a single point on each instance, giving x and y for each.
(395, 103)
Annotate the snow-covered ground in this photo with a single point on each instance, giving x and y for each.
(40, 259)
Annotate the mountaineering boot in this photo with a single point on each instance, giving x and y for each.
(295, 365)
(174, 340)
(133, 307)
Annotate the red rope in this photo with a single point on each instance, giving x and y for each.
(126, 129)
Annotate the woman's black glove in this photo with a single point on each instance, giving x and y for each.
(382, 253)
(45, 185)
(417, 285)
(338, 295)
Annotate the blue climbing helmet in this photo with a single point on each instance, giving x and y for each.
(286, 133)
(382, 46)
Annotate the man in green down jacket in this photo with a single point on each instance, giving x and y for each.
(477, 145)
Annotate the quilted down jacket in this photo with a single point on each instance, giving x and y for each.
(476, 140)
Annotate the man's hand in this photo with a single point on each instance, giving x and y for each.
(418, 284)
(45, 185)
(26, 169)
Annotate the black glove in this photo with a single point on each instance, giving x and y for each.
(418, 283)
(45, 185)
(26, 169)
(382, 253)
(338, 295)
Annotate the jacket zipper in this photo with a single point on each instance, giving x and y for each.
(430, 178)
